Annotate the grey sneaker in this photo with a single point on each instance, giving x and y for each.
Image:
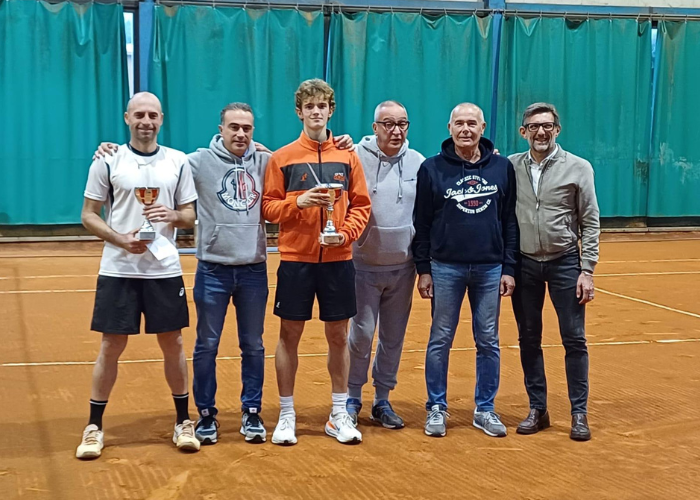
(436, 421)
(490, 423)
(252, 427)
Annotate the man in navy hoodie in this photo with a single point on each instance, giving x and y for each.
(466, 242)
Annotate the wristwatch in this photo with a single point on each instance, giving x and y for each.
(587, 273)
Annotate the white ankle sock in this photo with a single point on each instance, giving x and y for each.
(287, 406)
(339, 400)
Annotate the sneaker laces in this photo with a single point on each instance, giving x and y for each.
(187, 428)
(90, 437)
(437, 417)
(492, 417)
(343, 419)
(208, 422)
(253, 420)
(285, 423)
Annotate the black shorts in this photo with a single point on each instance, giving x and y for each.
(119, 303)
(299, 282)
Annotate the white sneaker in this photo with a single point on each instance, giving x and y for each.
(92, 443)
(285, 431)
(340, 426)
(184, 436)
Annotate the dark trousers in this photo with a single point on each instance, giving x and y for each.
(560, 276)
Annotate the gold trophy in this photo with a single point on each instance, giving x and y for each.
(147, 196)
(330, 235)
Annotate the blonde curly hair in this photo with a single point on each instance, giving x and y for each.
(314, 88)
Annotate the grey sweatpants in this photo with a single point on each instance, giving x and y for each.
(383, 297)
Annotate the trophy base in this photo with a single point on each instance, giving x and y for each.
(330, 238)
(146, 235)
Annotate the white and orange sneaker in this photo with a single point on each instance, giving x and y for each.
(341, 427)
(92, 443)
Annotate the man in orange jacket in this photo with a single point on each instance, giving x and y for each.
(308, 268)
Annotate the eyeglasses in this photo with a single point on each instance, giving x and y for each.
(534, 127)
(389, 126)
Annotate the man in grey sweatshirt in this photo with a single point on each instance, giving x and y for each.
(385, 272)
(231, 250)
(556, 209)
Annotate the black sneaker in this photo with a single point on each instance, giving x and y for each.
(384, 414)
(252, 427)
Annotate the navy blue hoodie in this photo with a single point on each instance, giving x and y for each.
(465, 212)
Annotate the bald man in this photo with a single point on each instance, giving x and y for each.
(466, 242)
(139, 276)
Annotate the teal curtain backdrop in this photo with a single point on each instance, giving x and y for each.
(674, 183)
(63, 88)
(598, 75)
(204, 58)
(429, 64)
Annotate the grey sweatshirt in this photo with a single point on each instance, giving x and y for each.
(385, 244)
(230, 189)
(564, 209)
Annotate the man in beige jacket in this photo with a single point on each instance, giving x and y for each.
(556, 209)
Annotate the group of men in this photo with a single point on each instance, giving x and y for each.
(466, 221)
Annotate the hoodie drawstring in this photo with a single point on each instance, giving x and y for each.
(376, 180)
(400, 178)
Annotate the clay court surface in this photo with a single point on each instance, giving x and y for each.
(644, 338)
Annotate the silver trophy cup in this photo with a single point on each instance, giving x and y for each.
(147, 196)
(330, 234)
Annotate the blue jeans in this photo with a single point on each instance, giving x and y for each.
(215, 285)
(450, 283)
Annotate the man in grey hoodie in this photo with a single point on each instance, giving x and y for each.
(557, 210)
(232, 255)
(385, 272)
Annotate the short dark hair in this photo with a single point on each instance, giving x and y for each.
(235, 106)
(540, 107)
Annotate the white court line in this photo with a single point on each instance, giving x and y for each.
(79, 290)
(669, 273)
(319, 355)
(653, 304)
(646, 261)
(54, 276)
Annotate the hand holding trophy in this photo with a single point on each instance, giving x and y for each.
(330, 235)
(147, 196)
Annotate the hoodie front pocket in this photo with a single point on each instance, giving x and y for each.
(236, 244)
(387, 246)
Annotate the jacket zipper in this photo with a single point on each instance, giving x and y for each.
(537, 197)
(320, 176)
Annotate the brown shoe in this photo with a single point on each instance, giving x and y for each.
(536, 421)
(579, 428)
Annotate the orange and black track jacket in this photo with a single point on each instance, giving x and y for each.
(289, 175)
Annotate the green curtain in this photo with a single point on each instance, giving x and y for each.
(205, 57)
(674, 181)
(430, 64)
(63, 88)
(598, 75)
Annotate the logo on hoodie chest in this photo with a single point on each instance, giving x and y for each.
(238, 190)
(473, 194)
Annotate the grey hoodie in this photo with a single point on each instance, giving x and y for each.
(230, 189)
(385, 244)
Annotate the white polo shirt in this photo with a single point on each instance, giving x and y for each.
(112, 180)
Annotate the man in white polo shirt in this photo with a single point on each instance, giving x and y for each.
(139, 277)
